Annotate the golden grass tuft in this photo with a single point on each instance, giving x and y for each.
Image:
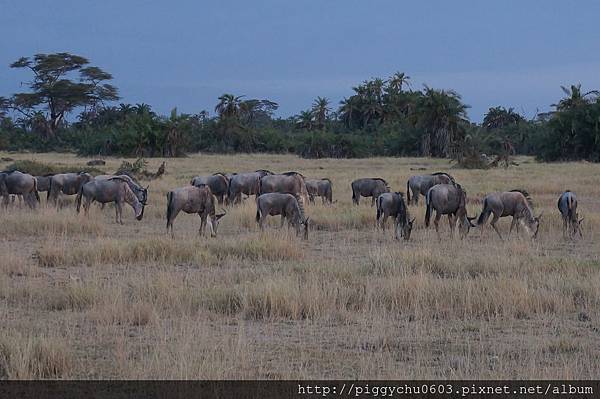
(25, 357)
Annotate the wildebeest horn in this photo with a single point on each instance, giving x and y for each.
(540, 215)
(224, 211)
(413, 220)
(306, 220)
(147, 187)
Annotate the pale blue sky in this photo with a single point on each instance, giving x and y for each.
(187, 53)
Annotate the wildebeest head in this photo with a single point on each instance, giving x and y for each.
(404, 230)
(302, 228)
(576, 226)
(534, 225)
(214, 222)
(465, 225)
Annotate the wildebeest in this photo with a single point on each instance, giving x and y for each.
(140, 191)
(287, 205)
(320, 188)
(451, 200)
(114, 189)
(515, 203)
(194, 199)
(420, 184)
(244, 183)
(43, 182)
(286, 183)
(67, 184)
(218, 183)
(368, 187)
(392, 204)
(567, 205)
(19, 184)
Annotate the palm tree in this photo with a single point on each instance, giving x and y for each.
(349, 110)
(440, 113)
(228, 106)
(320, 110)
(397, 80)
(305, 120)
(499, 117)
(575, 98)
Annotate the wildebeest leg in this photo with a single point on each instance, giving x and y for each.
(261, 223)
(493, 224)
(86, 206)
(202, 224)
(515, 222)
(282, 221)
(565, 227)
(119, 211)
(436, 223)
(373, 200)
(384, 221)
(452, 223)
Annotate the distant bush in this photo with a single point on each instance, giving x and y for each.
(37, 168)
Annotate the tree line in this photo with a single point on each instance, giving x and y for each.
(383, 117)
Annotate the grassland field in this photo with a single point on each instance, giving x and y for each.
(86, 298)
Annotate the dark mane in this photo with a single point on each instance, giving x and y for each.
(445, 174)
(525, 194)
(265, 171)
(380, 179)
(222, 175)
(293, 174)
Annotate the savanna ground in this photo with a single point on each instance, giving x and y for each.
(87, 298)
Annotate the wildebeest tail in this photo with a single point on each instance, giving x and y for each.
(428, 208)
(169, 207)
(408, 191)
(49, 189)
(379, 210)
(78, 198)
(485, 212)
(353, 192)
(257, 214)
(35, 190)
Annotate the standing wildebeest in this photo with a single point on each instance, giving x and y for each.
(114, 189)
(244, 183)
(567, 205)
(420, 184)
(287, 205)
(320, 188)
(451, 200)
(218, 183)
(19, 184)
(515, 203)
(67, 184)
(194, 199)
(368, 187)
(287, 183)
(392, 204)
(140, 192)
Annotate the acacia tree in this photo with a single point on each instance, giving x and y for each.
(61, 82)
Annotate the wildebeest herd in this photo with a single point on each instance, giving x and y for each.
(286, 194)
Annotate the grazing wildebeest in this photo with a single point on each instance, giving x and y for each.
(67, 184)
(244, 183)
(287, 183)
(19, 184)
(392, 204)
(115, 189)
(368, 187)
(515, 203)
(218, 183)
(567, 205)
(451, 200)
(320, 188)
(287, 205)
(140, 191)
(194, 199)
(420, 184)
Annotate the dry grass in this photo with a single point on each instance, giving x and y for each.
(351, 302)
